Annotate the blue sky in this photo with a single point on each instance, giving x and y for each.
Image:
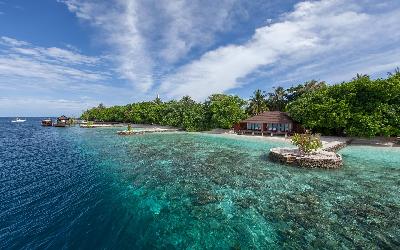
(63, 56)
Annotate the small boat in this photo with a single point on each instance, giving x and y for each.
(19, 120)
(63, 121)
(47, 122)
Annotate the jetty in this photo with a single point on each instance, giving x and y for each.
(326, 157)
(101, 124)
(146, 131)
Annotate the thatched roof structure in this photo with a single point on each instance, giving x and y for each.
(269, 117)
(63, 117)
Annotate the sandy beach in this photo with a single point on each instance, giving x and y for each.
(327, 141)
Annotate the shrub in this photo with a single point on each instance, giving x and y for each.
(307, 142)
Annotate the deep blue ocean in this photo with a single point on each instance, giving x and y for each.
(76, 188)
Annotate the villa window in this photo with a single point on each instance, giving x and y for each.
(253, 126)
(279, 127)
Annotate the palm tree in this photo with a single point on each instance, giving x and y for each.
(277, 99)
(157, 100)
(294, 93)
(361, 76)
(257, 103)
(187, 100)
(396, 72)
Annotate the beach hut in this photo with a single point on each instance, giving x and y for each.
(268, 123)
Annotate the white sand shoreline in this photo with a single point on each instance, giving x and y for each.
(327, 141)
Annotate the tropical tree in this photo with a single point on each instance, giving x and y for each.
(307, 142)
(361, 107)
(157, 100)
(294, 93)
(257, 103)
(277, 99)
(223, 111)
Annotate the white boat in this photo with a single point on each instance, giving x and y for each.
(19, 120)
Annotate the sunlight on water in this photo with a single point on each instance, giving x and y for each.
(91, 188)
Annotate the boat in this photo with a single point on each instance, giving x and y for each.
(63, 121)
(19, 120)
(47, 122)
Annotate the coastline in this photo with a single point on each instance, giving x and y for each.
(327, 141)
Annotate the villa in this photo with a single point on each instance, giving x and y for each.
(268, 123)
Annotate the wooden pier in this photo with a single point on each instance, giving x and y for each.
(145, 131)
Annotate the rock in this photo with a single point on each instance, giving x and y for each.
(318, 159)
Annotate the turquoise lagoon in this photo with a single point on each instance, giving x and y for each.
(90, 189)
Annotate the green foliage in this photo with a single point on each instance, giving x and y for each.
(280, 97)
(219, 111)
(257, 103)
(307, 142)
(294, 93)
(185, 113)
(361, 107)
(223, 111)
(277, 100)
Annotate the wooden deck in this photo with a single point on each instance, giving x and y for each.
(262, 133)
(145, 131)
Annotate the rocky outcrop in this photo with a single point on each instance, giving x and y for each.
(317, 159)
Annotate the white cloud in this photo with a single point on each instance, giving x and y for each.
(192, 24)
(149, 37)
(39, 81)
(12, 42)
(47, 54)
(118, 22)
(22, 61)
(314, 30)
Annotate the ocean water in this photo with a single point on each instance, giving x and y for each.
(78, 188)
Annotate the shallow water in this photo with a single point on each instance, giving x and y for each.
(89, 188)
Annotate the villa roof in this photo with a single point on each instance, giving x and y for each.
(270, 117)
(63, 117)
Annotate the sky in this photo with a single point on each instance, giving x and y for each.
(64, 56)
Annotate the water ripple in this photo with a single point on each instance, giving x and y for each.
(76, 188)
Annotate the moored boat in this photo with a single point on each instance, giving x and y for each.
(62, 121)
(47, 122)
(18, 120)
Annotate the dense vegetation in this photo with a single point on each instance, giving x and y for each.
(218, 111)
(360, 107)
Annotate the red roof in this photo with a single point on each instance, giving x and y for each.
(270, 117)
